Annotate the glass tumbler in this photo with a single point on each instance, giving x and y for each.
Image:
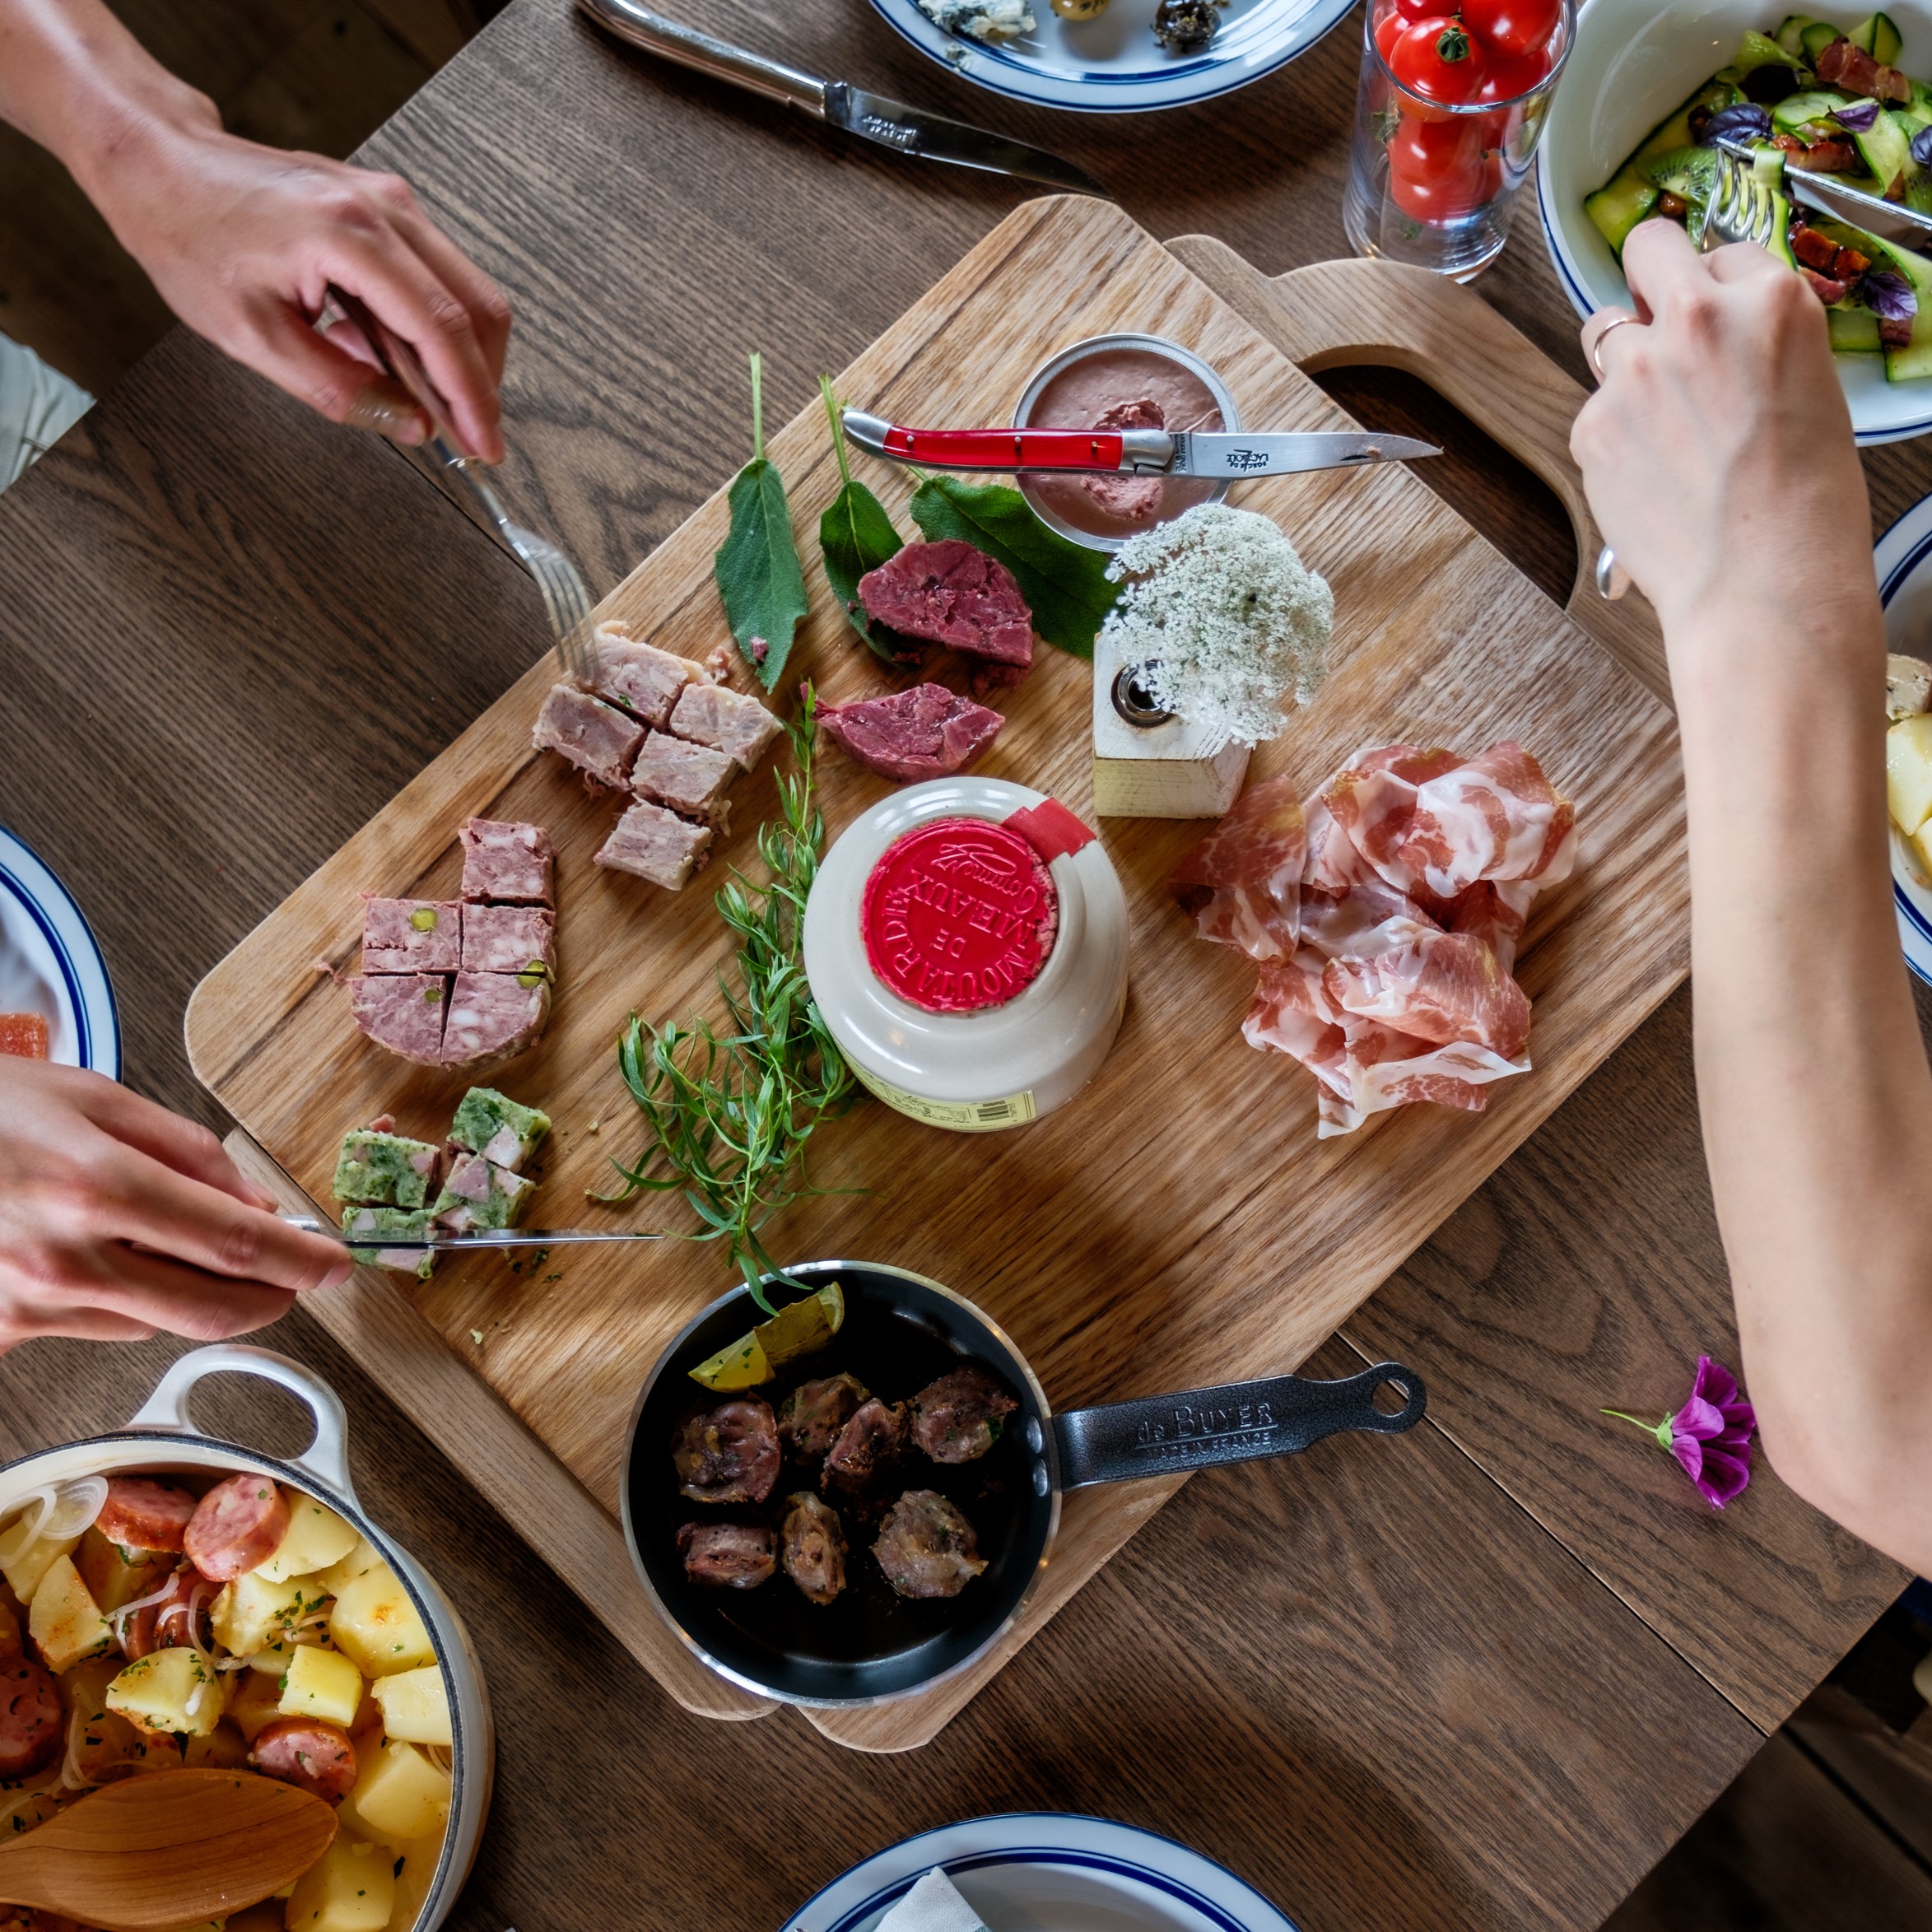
(1436, 185)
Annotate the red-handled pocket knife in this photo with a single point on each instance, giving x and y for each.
(1172, 452)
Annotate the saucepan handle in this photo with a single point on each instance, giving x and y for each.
(327, 1457)
(1244, 1421)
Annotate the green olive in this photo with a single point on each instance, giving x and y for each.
(1079, 9)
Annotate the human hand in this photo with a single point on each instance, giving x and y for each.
(243, 242)
(1718, 455)
(119, 1220)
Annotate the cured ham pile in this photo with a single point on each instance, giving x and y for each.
(1384, 915)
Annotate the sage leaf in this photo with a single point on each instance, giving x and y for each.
(757, 566)
(854, 535)
(1065, 583)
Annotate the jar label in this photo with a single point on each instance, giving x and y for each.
(980, 1116)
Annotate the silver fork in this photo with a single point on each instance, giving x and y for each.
(566, 603)
(1740, 206)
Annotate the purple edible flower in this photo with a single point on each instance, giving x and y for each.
(1856, 116)
(1888, 295)
(1921, 147)
(1710, 1435)
(1747, 121)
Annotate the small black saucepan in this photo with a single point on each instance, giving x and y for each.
(901, 1332)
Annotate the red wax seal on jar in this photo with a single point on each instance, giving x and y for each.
(959, 915)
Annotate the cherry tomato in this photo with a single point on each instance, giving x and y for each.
(1436, 60)
(1507, 76)
(1435, 151)
(1511, 26)
(1389, 30)
(1450, 199)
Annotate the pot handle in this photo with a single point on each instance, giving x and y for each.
(326, 1459)
(1243, 1422)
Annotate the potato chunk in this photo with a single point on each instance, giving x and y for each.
(321, 1683)
(254, 1611)
(64, 1620)
(400, 1795)
(169, 1691)
(375, 1622)
(25, 1559)
(114, 1576)
(418, 1861)
(415, 1707)
(352, 1887)
(316, 1538)
(254, 1699)
(359, 1561)
(1908, 772)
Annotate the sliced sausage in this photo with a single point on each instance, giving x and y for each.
(308, 1752)
(729, 1453)
(867, 1447)
(811, 1415)
(926, 1548)
(958, 1418)
(814, 1547)
(179, 1619)
(30, 1720)
(236, 1527)
(142, 1513)
(727, 1555)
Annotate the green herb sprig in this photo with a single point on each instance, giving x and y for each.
(728, 1114)
(854, 535)
(757, 566)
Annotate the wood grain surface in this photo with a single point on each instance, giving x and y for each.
(1439, 639)
(228, 633)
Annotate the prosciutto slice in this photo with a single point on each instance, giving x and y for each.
(1387, 969)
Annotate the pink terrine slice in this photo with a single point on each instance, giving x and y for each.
(727, 721)
(639, 676)
(410, 935)
(687, 777)
(656, 845)
(492, 1016)
(596, 736)
(403, 1012)
(508, 939)
(505, 860)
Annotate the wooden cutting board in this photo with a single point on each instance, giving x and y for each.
(1179, 1223)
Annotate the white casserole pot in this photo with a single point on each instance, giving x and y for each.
(162, 1436)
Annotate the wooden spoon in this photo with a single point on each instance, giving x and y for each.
(167, 1849)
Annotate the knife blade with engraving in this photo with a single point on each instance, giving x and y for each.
(440, 1240)
(1172, 452)
(872, 117)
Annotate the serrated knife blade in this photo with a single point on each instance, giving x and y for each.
(872, 117)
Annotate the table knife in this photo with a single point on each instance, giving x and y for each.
(1824, 194)
(1173, 453)
(872, 117)
(441, 1240)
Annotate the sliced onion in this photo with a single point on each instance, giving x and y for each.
(117, 1620)
(24, 1531)
(77, 1505)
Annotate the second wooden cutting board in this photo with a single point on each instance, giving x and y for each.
(1179, 1223)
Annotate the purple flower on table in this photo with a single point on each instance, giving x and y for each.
(1710, 1435)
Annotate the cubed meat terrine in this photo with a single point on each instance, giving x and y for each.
(656, 845)
(502, 860)
(727, 721)
(502, 1131)
(403, 1012)
(410, 935)
(643, 679)
(509, 939)
(478, 1194)
(384, 1168)
(493, 1015)
(597, 738)
(688, 778)
(400, 1222)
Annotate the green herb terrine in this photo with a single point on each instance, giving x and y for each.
(503, 1132)
(479, 1195)
(403, 1222)
(385, 1169)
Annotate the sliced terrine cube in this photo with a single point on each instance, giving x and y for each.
(502, 1131)
(380, 1168)
(597, 738)
(656, 845)
(493, 1015)
(505, 860)
(643, 679)
(480, 1194)
(410, 935)
(403, 1012)
(688, 778)
(727, 721)
(399, 1222)
(509, 939)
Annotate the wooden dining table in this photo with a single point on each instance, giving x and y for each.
(1484, 1677)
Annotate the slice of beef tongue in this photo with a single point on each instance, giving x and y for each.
(926, 732)
(950, 593)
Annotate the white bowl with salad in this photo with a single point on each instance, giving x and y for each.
(1628, 140)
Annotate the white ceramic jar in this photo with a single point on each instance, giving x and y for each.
(163, 1438)
(966, 942)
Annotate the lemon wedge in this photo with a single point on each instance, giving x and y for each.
(800, 1327)
(741, 1366)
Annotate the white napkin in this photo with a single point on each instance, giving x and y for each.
(933, 1905)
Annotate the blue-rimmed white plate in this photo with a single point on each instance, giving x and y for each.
(1114, 65)
(1050, 1872)
(50, 963)
(1904, 560)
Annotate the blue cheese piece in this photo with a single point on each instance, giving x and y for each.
(980, 20)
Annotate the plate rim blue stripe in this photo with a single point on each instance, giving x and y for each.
(24, 892)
